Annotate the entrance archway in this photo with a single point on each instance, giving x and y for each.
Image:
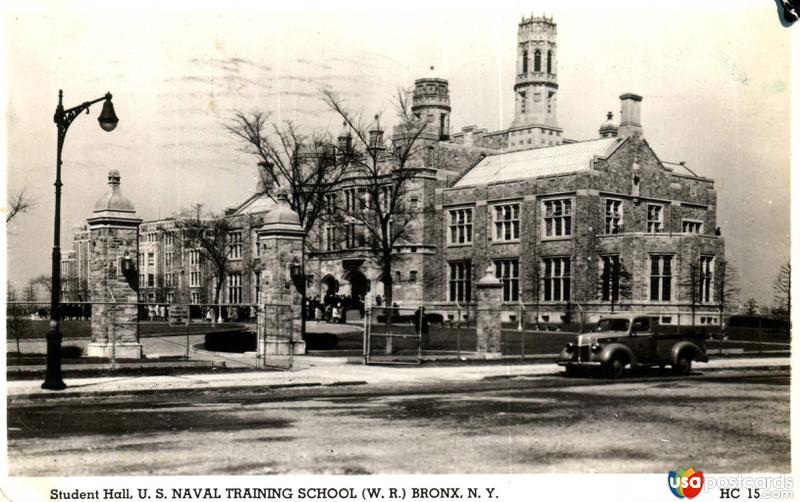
(359, 284)
(331, 285)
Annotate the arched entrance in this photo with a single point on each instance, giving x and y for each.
(331, 285)
(359, 284)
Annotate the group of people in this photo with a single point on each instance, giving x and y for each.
(332, 308)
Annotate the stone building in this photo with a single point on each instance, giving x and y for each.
(569, 226)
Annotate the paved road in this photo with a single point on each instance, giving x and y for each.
(725, 421)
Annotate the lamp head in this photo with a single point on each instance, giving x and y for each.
(108, 119)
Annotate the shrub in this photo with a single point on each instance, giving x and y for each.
(321, 341)
(231, 341)
(71, 352)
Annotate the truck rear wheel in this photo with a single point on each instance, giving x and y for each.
(683, 366)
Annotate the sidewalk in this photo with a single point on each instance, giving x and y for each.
(317, 371)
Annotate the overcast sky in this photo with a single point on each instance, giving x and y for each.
(715, 81)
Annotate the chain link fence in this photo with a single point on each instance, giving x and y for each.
(224, 335)
(412, 335)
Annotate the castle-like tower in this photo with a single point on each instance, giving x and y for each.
(536, 84)
(431, 102)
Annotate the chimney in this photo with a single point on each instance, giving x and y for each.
(630, 121)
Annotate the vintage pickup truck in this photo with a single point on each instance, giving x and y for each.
(633, 340)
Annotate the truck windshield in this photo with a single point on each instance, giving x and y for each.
(612, 325)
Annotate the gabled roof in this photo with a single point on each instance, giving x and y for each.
(539, 162)
(258, 203)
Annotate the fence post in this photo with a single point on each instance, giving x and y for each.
(291, 335)
(421, 331)
(188, 329)
(114, 321)
(458, 332)
(364, 346)
(760, 340)
(521, 331)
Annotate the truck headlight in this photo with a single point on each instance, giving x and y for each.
(570, 347)
(596, 347)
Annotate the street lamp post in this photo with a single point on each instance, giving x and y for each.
(63, 118)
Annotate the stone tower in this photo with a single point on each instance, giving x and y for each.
(536, 85)
(431, 102)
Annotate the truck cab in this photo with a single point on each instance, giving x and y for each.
(633, 340)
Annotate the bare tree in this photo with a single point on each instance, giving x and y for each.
(381, 171)
(751, 306)
(43, 280)
(727, 286)
(19, 202)
(306, 166)
(783, 290)
(614, 282)
(693, 285)
(209, 236)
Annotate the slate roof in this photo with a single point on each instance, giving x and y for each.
(525, 164)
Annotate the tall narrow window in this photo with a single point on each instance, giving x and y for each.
(330, 238)
(330, 204)
(706, 279)
(508, 273)
(506, 222)
(537, 61)
(522, 102)
(234, 287)
(661, 278)
(385, 198)
(549, 62)
(610, 277)
(613, 216)
(556, 279)
(460, 281)
(460, 226)
(235, 245)
(655, 218)
(557, 217)
(525, 61)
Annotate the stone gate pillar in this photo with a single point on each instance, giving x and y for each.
(489, 293)
(281, 241)
(113, 271)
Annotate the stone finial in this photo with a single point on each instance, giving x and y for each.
(281, 219)
(282, 195)
(113, 200)
(489, 279)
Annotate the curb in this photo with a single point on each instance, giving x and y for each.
(45, 395)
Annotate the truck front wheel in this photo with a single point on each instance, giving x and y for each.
(615, 367)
